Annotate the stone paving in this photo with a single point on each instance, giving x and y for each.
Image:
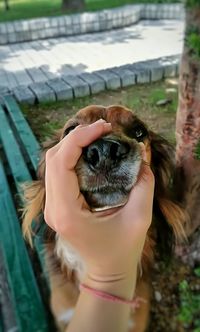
(64, 68)
(67, 25)
(41, 60)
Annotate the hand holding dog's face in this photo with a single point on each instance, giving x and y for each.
(103, 239)
(108, 168)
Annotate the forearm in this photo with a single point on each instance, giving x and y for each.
(100, 315)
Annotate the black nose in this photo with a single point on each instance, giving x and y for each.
(105, 154)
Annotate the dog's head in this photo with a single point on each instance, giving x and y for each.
(108, 169)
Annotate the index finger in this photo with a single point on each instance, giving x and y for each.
(71, 147)
(143, 191)
(68, 152)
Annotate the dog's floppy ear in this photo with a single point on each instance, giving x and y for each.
(169, 217)
(34, 194)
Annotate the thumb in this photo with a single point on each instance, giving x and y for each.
(141, 195)
(146, 176)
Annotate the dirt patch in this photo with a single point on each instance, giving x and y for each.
(174, 309)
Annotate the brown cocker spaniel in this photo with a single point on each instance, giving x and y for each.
(107, 170)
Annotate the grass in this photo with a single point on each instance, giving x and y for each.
(45, 119)
(197, 151)
(21, 9)
(189, 305)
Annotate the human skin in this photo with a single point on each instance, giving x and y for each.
(110, 242)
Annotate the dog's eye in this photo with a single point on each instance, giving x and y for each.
(67, 130)
(140, 132)
(136, 130)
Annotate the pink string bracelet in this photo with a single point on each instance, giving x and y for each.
(135, 303)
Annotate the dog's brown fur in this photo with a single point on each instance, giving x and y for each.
(168, 218)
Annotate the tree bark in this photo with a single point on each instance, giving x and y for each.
(74, 5)
(188, 119)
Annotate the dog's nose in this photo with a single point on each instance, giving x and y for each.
(105, 153)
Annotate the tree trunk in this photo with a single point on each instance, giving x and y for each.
(74, 5)
(188, 119)
(6, 3)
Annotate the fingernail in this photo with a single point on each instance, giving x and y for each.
(142, 147)
(97, 122)
(100, 121)
(141, 144)
(144, 155)
(107, 125)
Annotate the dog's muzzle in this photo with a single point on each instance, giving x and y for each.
(107, 170)
(104, 155)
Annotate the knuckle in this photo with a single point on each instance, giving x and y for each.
(48, 155)
(73, 136)
(51, 160)
(60, 223)
(46, 214)
(64, 226)
(74, 133)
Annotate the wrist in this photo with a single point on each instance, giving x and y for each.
(121, 285)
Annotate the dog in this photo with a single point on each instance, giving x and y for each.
(107, 170)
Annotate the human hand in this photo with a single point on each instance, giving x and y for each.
(110, 242)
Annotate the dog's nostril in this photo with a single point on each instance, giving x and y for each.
(105, 154)
(114, 151)
(92, 156)
(118, 150)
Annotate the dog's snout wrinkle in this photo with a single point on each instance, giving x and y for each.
(105, 154)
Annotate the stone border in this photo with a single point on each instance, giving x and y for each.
(70, 87)
(48, 27)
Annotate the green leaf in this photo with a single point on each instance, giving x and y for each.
(197, 156)
(192, 3)
(193, 41)
(183, 285)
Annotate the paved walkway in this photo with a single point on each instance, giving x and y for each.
(41, 60)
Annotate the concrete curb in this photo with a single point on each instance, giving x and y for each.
(86, 84)
(50, 27)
